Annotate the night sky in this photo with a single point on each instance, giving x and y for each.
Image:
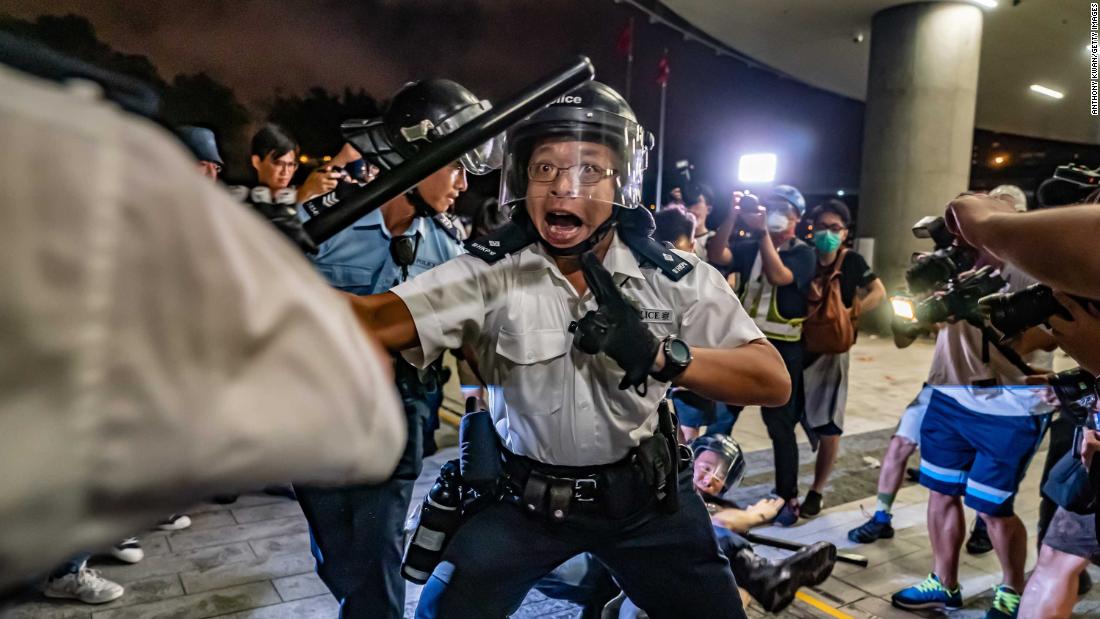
(718, 108)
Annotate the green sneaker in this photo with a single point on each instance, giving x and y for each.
(929, 594)
(1005, 604)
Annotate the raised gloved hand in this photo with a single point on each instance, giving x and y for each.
(616, 328)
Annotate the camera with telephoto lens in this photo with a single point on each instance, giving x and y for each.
(1015, 312)
(1076, 393)
(932, 270)
(959, 299)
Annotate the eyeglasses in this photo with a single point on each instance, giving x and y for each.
(285, 165)
(585, 173)
(837, 228)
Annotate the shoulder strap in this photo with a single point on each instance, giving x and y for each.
(513, 236)
(647, 250)
(445, 223)
(636, 227)
(839, 263)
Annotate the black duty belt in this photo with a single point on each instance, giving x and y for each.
(615, 490)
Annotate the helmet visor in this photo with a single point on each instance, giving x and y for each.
(576, 154)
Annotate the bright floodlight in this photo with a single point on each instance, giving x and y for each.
(989, 4)
(1043, 90)
(903, 308)
(756, 168)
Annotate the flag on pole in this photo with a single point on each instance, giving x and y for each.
(663, 70)
(625, 44)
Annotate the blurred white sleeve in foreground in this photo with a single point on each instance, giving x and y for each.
(159, 342)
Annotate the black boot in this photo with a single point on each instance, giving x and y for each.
(774, 583)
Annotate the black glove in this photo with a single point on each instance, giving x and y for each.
(616, 328)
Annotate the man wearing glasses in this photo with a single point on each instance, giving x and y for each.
(275, 160)
(358, 531)
(585, 467)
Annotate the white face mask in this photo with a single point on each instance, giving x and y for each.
(777, 222)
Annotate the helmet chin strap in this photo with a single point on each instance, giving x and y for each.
(588, 244)
(423, 209)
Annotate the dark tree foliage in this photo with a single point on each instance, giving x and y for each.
(315, 117)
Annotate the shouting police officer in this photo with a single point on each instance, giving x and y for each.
(357, 530)
(575, 407)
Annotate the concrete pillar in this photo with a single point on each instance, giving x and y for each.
(918, 126)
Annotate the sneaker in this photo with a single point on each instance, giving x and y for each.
(811, 506)
(929, 594)
(224, 499)
(788, 515)
(85, 585)
(175, 522)
(1005, 603)
(1084, 584)
(128, 550)
(979, 542)
(878, 527)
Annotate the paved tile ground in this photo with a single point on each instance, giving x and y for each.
(250, 560)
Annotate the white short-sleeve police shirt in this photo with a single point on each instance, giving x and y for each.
(550, 401)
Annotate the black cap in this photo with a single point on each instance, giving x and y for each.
(201, 142)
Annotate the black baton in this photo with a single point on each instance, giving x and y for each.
(393, 183)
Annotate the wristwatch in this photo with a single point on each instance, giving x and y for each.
(677, 358)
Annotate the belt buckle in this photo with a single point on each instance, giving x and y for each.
(585, 490)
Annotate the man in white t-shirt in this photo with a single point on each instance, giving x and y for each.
(981, 428)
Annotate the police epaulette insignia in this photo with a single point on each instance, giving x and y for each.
(507, 239)
(662, 257)
(444, 221)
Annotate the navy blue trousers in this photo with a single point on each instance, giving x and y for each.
(669, 565)
(780, 421)
(357, 532)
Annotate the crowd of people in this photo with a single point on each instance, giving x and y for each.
(573, 313)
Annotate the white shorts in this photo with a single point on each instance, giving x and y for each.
(913, 417)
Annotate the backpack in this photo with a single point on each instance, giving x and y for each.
(830, 328)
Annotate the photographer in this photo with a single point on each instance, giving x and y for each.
(1041, 243)
(981, 428)
(275, 160)
(774, 270)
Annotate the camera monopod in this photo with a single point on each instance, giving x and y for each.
(491, 123)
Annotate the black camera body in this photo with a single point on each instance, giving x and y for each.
(1076, 393)
(931, 270)
(959, 300)
(1015, 312)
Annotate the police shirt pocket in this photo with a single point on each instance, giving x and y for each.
(352, 279)
(535, 375)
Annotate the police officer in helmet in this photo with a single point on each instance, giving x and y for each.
(357, 531)
(576, 410)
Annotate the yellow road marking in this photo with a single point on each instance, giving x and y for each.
(822, 606)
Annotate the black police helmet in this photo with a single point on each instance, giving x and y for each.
(419, 114)
(591, 112)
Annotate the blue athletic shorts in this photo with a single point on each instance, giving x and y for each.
(981, 456)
